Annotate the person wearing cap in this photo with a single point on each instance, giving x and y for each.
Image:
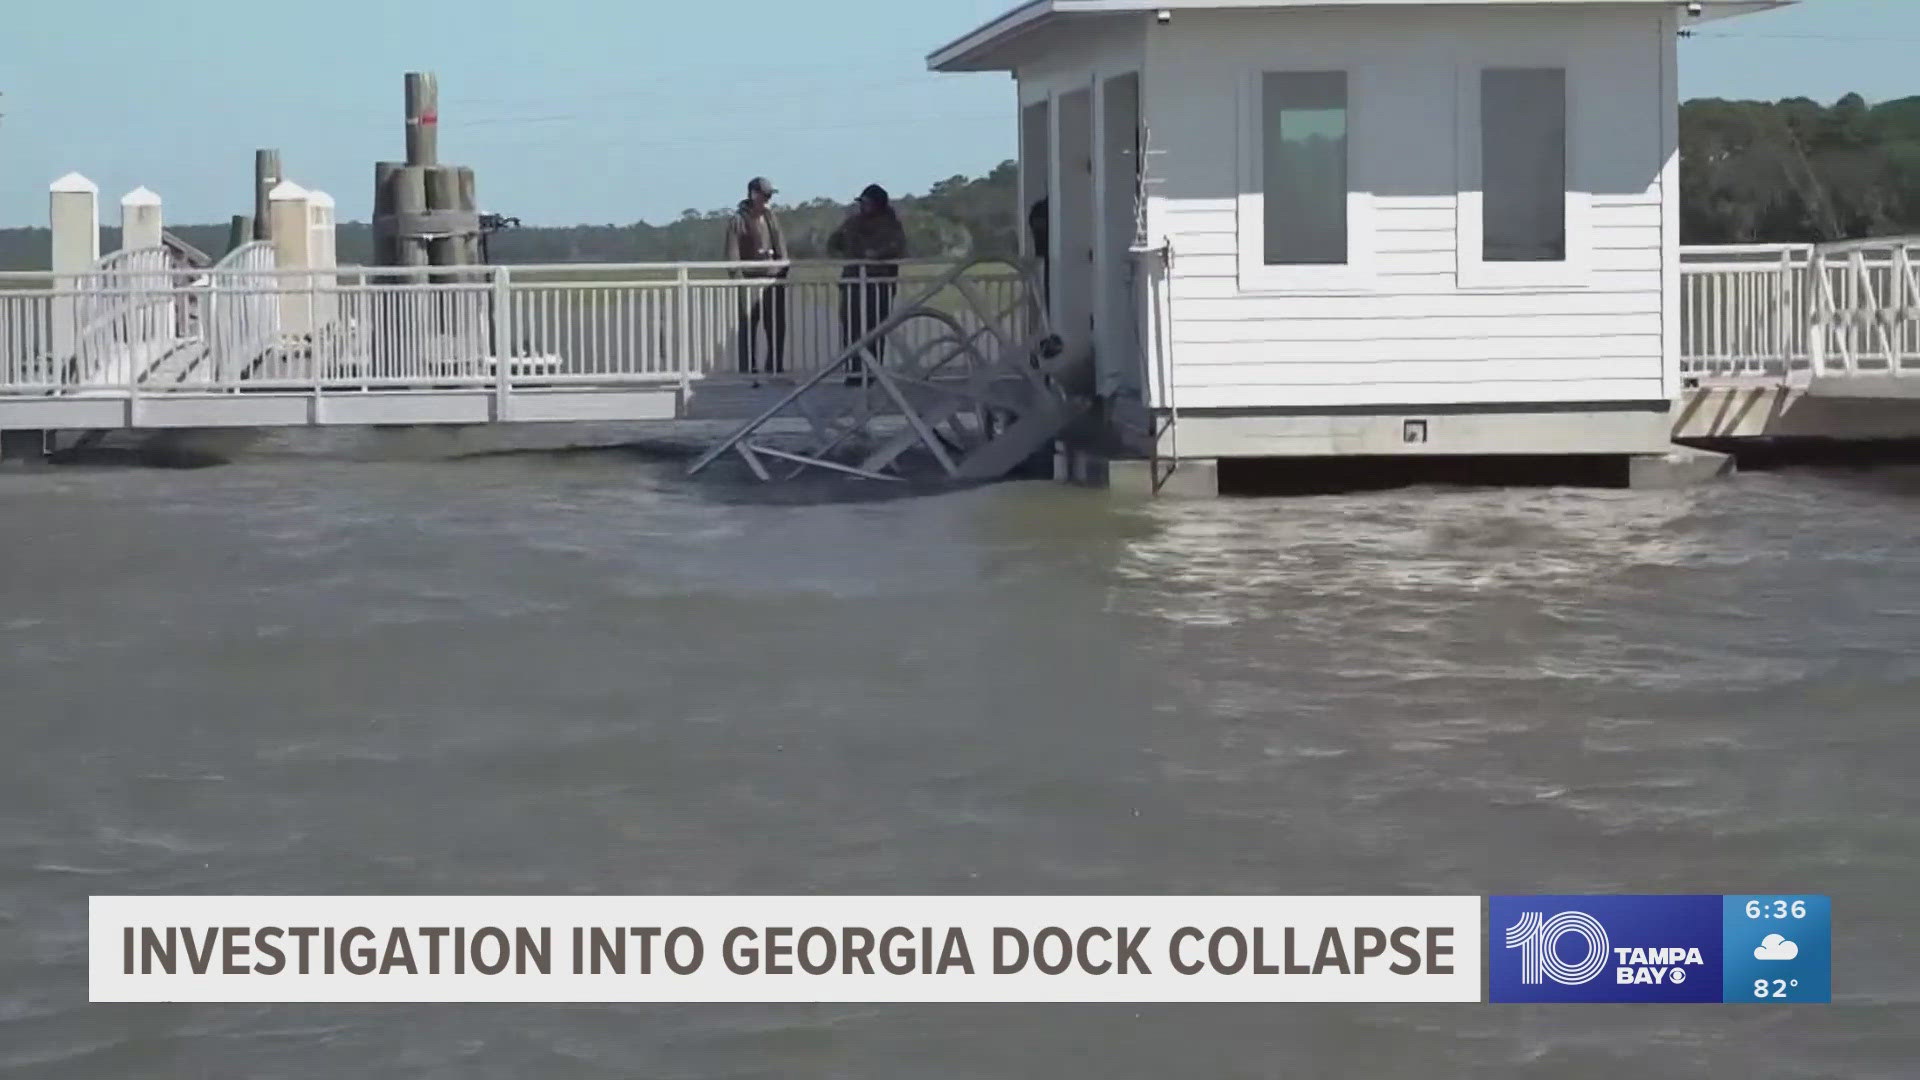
(872, 236)
(754, 236)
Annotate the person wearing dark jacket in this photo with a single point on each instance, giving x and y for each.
(874, 238)
(753, 235)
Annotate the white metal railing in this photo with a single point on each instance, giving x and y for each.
(127, 313)
(243, 318)
(137, 324)
(256, 327)
(27, 365)
(1786, 311)
(1866, 308)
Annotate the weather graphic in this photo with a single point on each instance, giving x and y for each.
(1779, 949)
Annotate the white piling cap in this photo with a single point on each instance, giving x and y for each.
(74, 182)
(286, 191)
(140, 196)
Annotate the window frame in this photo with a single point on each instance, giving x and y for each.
(1357, 274)
(1474, 271)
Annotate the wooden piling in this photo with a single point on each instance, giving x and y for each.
(469, 244)
(239, 232)
(266, 177)
(385, 251)
(408, 192)
(443, 196)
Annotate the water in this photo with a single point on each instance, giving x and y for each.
(350, 668)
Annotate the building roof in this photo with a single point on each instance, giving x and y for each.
(982, 50)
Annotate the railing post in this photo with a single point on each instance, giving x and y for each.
(683, 329)
(1885, 305)
(1818, 285)
(1906, 304)
(502, 342)
(131, 347)
(1782, 309)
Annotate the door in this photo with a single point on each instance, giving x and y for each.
(1117, 319)
(1074, 216)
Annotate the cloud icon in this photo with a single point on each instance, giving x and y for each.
(1775, 947)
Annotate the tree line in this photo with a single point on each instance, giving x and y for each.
(1750, 172)
(1797, 171)
(955, 218)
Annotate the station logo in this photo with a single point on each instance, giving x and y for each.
(1605, 949)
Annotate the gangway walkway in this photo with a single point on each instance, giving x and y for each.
(246, 345)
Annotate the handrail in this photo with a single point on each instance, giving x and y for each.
(245, 253)
(1843, 247)
(326, 327)
(1837, 310)
(484, 272)
(134, 260)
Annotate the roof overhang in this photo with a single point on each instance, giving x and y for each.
(986, 48)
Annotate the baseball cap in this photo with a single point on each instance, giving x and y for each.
(762, 185)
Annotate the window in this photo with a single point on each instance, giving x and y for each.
(1303, 121)
(1523, 165)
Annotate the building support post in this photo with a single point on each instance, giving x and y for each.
(25, 445)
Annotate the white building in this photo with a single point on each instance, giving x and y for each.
(1363, 227)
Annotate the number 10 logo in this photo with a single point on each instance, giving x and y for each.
(1538, 939)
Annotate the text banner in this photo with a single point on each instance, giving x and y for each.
(785, 949)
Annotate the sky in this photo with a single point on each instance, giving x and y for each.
(611, 111)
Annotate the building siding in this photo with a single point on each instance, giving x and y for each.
(1413, 334)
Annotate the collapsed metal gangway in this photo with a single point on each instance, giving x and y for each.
(978, 391)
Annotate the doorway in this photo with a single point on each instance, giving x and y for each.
(1116, 316)
(1036, 179)
(1073, 221)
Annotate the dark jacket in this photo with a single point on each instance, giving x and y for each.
(755, 238)
(877, 235)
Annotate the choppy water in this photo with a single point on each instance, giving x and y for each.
(320, 673)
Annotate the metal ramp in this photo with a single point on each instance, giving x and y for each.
(978, 391)
(152, 316)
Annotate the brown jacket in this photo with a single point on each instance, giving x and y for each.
(755, 237)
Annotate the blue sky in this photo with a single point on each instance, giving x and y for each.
(615, 110)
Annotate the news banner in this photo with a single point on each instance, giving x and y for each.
(1729, 950)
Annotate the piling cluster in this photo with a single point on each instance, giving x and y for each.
(424, 212)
